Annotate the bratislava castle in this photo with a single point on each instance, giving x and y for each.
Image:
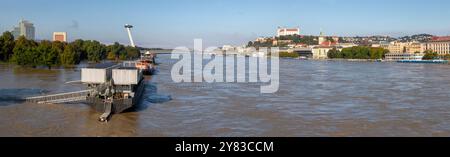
(287, 31)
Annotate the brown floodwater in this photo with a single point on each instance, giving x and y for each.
(316, 98)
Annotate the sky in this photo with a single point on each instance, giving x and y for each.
(173, 23)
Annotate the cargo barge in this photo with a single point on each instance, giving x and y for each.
(114, 88)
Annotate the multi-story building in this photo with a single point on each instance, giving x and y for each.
(441, 45)
(415, 47)
(406, 47)
(26, 29)
(60, 36)
(397, 47)
(287, 31)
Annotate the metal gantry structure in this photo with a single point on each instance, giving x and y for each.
(59, 98)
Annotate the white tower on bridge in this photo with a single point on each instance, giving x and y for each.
(128, 27)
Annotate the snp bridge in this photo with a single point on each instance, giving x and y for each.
(59, 98)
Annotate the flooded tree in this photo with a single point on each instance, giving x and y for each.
(24, 53)
(6, 46)
(96, 51)
(69, 56)
(48, 56)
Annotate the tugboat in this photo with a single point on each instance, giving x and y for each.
(146, 63)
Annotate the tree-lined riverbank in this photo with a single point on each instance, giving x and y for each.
(46, 53)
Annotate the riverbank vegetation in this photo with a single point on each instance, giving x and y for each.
(358, 52)
(429, 55)
(46, 53)
(288, 55)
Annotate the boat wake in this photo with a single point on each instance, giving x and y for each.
(151, 95)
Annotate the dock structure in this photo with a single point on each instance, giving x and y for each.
(59, 98)
(112, 88)
(108, 110)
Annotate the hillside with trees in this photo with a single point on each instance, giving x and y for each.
(296, 39)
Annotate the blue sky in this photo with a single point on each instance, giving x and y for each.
(171, 23)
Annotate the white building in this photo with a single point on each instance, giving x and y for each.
(261, 39)
(228, 48)
(346, 45)
(441, 45)
(25, 28)
(60, 36)
(287, 31)
(321, 52)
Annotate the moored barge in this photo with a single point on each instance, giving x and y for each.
(114, 88)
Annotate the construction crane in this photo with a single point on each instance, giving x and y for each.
(128, 27)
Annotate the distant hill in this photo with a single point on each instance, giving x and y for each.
(417, 37)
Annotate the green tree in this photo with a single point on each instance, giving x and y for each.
(377, 53)
(429, 55)
(69, 56)
(79, 46)
(111, 56)
(2, 54)
(347, 53)
(288, 55)
(48, 55)
(117, 50)
(6, 46)
(132, 52)
(359, 52)
(24, 52)
(58, 47)
(95, 51)
(334, 53)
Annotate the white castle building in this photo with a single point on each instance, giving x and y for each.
(287, 31)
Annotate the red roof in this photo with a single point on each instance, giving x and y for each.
(328, 43)
(445, 38)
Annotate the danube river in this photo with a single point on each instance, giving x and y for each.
(316, 98)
